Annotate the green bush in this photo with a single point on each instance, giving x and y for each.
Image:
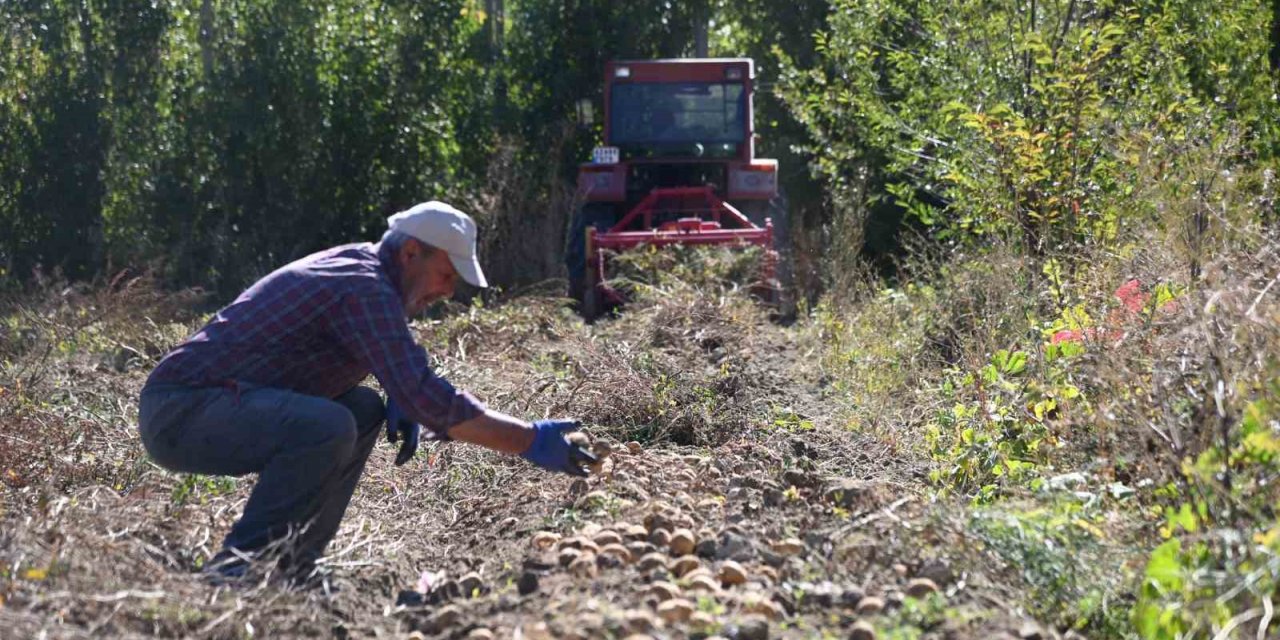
(1019, 120)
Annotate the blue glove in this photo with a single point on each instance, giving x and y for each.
(553, 452)
(400, 427)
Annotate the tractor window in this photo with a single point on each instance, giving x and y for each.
(676, 114)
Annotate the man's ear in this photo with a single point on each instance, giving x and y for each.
(409, 250)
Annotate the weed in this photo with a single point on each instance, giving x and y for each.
(199, 489)
(786, 419)
(1049, 546)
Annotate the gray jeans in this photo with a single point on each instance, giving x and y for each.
(308, 453)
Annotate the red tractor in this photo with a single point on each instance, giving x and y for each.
(678, 166)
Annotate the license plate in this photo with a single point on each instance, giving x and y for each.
(605, 155)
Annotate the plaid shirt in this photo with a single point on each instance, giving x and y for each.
(319, 326)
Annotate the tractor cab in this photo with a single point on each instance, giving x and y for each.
(677, 166)
(684, 119)
(677, 123)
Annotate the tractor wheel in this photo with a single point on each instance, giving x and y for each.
(757, 211)
(592, 303)
(776, 208)
(602, 216)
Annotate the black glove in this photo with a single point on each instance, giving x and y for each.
(399, 427)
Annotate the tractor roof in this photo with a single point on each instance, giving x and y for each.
(695, 68)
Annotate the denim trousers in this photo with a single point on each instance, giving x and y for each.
(308, 453)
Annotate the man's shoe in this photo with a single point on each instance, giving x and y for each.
(310, 577)
(226, 568)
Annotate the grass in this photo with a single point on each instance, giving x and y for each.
(94, 538)
(1119, 485)
(1143, 365)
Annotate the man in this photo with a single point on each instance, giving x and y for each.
(271, 386)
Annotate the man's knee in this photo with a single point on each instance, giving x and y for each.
(326, 426)
(366, 407)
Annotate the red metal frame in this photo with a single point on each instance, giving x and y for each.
(691, 230)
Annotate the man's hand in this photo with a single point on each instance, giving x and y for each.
(553, 452)
(399, 427)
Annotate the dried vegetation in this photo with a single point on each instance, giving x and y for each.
(717, 401)
(887, 465)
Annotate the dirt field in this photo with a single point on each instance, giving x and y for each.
(737, 502)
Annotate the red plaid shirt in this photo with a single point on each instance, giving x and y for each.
(319, 326)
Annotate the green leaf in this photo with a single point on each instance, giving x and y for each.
(1164, 571)
(1010, 363)
(1184, 517)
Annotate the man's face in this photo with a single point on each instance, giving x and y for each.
(426, 276)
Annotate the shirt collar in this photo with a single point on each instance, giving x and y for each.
(387, 258)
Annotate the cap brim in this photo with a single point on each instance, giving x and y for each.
(469, 270)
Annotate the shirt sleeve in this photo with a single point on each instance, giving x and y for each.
(373, 329)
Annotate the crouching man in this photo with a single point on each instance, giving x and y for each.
(271, 385)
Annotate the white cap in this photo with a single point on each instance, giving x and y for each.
(447, 229)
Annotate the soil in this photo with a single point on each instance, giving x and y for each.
(735, 503)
